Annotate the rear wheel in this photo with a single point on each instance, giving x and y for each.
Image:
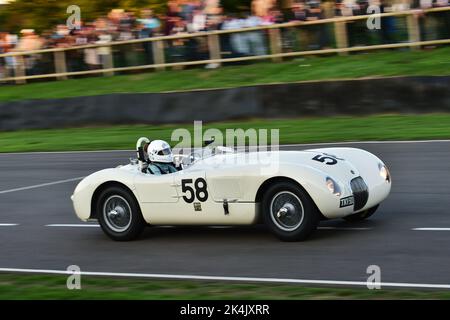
(119, 215)
(360, 216)
(289, 212)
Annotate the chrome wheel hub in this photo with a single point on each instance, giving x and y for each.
(286, 211)
(117, 213)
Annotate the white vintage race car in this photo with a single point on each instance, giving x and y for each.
(290, 193)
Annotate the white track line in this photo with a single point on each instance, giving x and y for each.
(284, 145)
(431, 229)
(72, 225)
(235, 279)
(8, 224)
(41, 185)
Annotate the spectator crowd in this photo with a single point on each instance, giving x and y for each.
(191, 16)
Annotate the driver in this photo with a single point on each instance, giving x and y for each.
(160, 157)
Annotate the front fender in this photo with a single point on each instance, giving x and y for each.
(367, 166)
(313, 181)
(84, 191)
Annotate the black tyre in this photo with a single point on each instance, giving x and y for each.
(289, 212)
(119, 214)
(360, 216)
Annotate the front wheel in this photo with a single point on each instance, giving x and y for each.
(119, 215)
(360, 216)
(289, 212)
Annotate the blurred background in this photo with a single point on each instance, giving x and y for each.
(317, 70)
(120, 34)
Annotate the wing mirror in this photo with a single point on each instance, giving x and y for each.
(208, 142)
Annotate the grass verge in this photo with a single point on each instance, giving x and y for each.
(378, 64)
(26, 286)
(305, 130)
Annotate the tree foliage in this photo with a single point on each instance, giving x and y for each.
(45, 14)
(235, 6)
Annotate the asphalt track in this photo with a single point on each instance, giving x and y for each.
(38, 228)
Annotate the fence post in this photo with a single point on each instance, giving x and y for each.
(19, 69)
(275, 43)
(108, 61)
(214, 47)
(412, 22)
(158, 53)
(340, 33)
(60, 63)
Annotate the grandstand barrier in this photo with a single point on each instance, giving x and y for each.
(215, 52)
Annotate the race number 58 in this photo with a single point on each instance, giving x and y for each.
(197, 191)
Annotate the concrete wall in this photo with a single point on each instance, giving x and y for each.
(324, 98)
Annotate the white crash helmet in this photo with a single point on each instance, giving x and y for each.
(160, 151)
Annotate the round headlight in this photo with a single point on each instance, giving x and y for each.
(384, 172)
(333, 186)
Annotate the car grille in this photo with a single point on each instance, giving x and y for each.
(360, 192)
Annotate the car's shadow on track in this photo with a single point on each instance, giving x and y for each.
(333, 229)
(206, 232)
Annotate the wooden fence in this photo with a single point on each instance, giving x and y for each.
(214, 49)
